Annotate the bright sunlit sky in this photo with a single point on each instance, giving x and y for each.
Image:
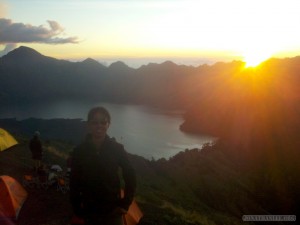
(142, 31)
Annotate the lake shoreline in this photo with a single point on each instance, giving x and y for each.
(73, 131)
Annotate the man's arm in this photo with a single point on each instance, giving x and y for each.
(129, 179)
(75, 184)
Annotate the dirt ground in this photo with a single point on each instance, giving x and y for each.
(42, 207)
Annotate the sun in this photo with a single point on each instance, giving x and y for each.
(253, 60)
(255, 57)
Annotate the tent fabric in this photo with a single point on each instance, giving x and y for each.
(134, 214)
(132, 217)
(77, 220)
(12, 197)
(6, 221)
(6, 140)
(57, 168)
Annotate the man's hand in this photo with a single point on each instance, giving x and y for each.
(119, 210)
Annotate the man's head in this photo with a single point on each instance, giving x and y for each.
(99, 110)
(98, 122)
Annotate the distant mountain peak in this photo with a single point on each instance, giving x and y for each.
(25, 55)
(90, 61)
(23, 51)
(159, 66)
(169, 63)
(118, 65)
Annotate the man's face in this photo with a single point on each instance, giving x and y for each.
(98, 126)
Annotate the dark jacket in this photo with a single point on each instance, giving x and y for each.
(36, 148)
(95, 182)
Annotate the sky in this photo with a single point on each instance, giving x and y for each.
(142, 31)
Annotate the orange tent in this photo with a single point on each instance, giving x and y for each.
(12, 198)
(132, 217)
(134, 214)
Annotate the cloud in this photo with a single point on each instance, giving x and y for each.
(55, 26)
(11, 32)
(7, 49)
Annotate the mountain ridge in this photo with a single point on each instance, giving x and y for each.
(41, 79)
(27, 66)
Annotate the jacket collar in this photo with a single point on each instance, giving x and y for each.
(90, 143)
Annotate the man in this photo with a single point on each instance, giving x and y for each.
(95, 181)
(36, 149)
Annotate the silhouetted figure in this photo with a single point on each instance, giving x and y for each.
(36, 149)
(95, 183)
(69, 164)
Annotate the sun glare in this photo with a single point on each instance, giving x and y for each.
(253, 59)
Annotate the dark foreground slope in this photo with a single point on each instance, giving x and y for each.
(42, 206)
(193, 187)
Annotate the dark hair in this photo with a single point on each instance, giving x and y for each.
(100, 110)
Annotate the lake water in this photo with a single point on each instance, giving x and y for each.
(143, 131)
